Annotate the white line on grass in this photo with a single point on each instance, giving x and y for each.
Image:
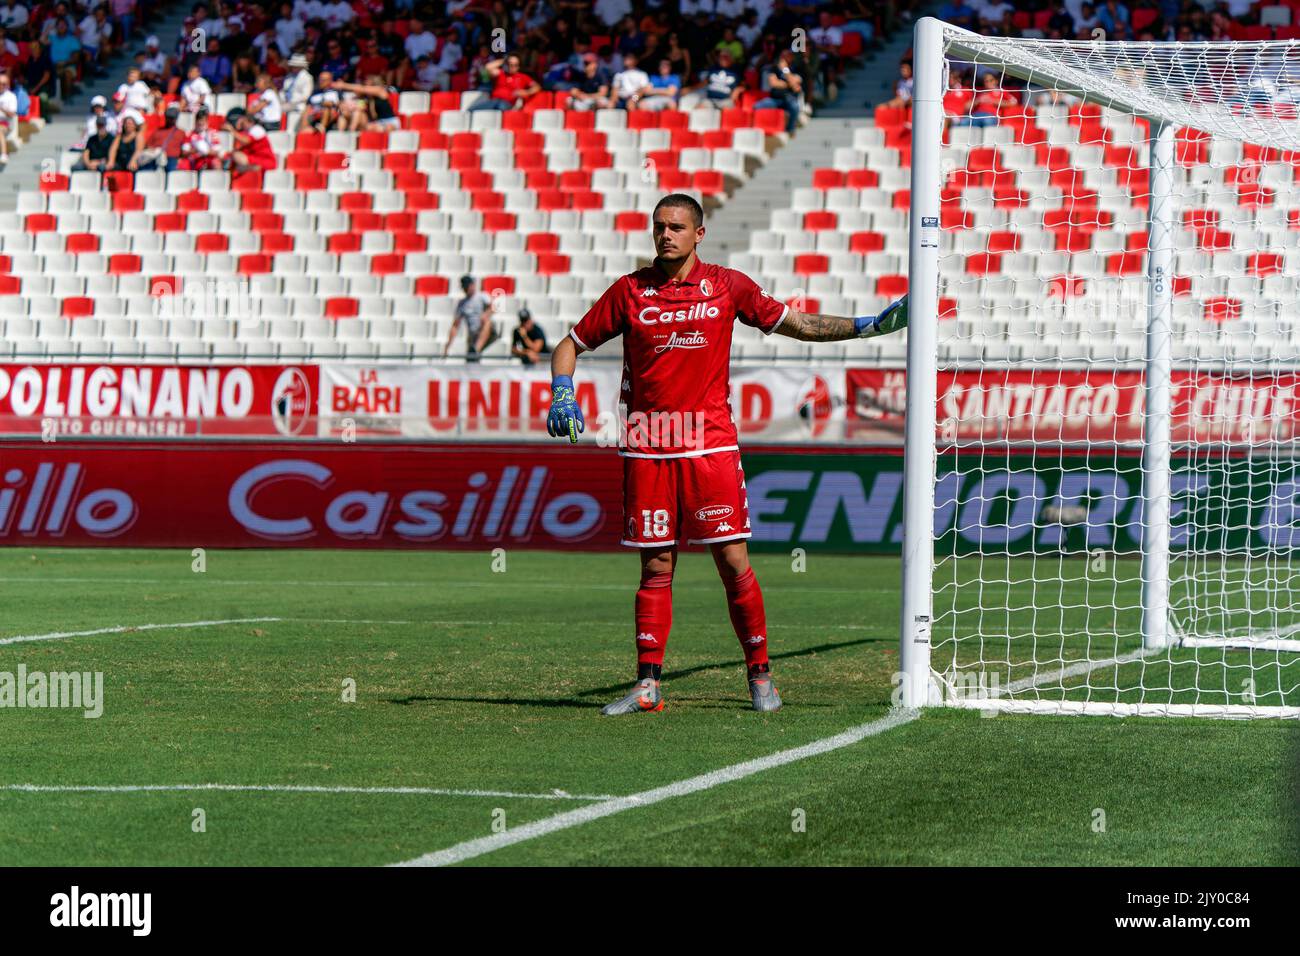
(706, 781)
(294, 788)
(127, 628)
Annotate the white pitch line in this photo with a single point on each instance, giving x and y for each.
(706, 781)
(1077, 670)
(293, 788)
(125, 628)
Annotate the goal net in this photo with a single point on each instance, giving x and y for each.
(1101, 512)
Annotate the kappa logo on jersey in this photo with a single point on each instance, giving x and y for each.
(724, 527)
(714, 513)
(694, 339)
(644, 638)
(648, 291)
(706, 288)
(755, 639)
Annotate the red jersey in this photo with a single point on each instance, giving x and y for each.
(677, 354)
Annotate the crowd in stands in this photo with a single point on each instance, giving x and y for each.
(327, 65)
(974, 99)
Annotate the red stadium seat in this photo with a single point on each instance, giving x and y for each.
(771, 122)
(80, 242)
(1264, 264)
(821, 220)
(431, 285)
(865, 242)
(505, 285)
(39, 222)
(78, 307)
(274, 243)
(891, 287)
(356, 202)
(254, 264)
(811, 264)
(127, 202)
(542, 242)
(195, 201)
(409, 241)
(499, 222)
(124, 264)
(983, 263)
(169, 222)
(10, 285)
(53, 183)
(160, 286)
(828, 179)
(709, 182)
(342, 307)
(1221, 308)
(343, 242)
(551, 264)
(211, 242)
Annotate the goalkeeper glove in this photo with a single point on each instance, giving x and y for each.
(565, 417)
(893, 319)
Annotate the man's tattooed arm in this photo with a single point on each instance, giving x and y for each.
(817, 328)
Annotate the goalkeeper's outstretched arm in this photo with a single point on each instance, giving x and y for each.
(836, 328)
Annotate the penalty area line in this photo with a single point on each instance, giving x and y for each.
(292, 788)
(128, 628)
(470, 849)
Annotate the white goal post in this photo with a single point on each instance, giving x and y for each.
(1102, 485)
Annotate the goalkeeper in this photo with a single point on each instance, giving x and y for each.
(682, 478)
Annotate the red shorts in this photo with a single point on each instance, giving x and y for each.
(671, 501)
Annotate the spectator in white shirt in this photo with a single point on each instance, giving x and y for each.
(13, 15)
(336, 14)
(297, 88)
(420, 42)
(8, 118)
(155, 62)
(265, 104)
(630, 83)
(98, 111)
(138, 94)
(196, 92)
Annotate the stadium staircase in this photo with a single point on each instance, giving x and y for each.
(47, 149)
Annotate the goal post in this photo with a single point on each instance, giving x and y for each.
(1102, 485)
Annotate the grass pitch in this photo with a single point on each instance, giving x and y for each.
(479, 691)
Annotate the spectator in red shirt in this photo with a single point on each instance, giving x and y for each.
(511, 87)
(252, 145)
(372, 62)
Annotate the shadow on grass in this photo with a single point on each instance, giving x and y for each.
(582, 698)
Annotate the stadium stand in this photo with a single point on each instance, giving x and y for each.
(1041, 187)
(343, 234)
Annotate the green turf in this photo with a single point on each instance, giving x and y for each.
(493, 683)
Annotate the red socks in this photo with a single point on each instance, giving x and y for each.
(745, 604)
(654, 617)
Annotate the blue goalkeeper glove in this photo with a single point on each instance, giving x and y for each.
(565, 417)
(893, 319)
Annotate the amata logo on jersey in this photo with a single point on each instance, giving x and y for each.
(694, 339)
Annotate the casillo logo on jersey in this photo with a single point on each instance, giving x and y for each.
(683, 340)
(651, 315)
(714, 513)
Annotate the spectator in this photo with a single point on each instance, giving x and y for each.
(784, 89)
(265, 104)
(121, 155)
(322, 111)
(373, 108)
(215, 67)
(156, 65)
(827, 39)
(590, 90)
(38, 73)
(474, 311)
(958, 13)
(336, 61)
(665, 86)
(373, 63)
(99, 111)
(749, 30)
(14, 15)
(252, 148)
(731, 44)
(528, 343)
(511, 87)
(420, 42)
(1111, 15)
(630, 84)
(298, 85)
(199, 151)
(138, 96)
(124, 14)
(162, 151)
(8, 118)
(95, 155)
(719, 88)
(903, 87)
(65, 52)
(96, 36)
(244, 73)
(196, 92)
(987, 103)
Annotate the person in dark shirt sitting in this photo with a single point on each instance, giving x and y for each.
(94, 158)
(528, 342)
